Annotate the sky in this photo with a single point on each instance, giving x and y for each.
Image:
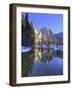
(51, 21)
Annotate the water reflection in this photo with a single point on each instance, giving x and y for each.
(42, 62)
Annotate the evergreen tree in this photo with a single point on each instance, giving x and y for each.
(27, 32)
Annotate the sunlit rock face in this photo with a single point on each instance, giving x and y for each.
(37, 34)
(48, 36)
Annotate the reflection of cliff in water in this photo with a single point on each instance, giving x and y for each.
(38, 55)
(45, 55)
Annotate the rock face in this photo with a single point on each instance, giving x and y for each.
(37, 36)
(27, 32)
(44, 36)
(59, 37)
(48, 36)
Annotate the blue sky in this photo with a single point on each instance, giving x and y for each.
(51, 21)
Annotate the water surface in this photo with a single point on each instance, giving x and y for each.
(42, 62)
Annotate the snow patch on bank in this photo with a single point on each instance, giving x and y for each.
(25, 49)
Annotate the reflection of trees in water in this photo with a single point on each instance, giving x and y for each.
(59, 54)
(27, 61)
(36, 55)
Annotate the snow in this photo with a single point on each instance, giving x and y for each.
(25, 49)
(57, 47)
(51, 46)
(43, 46)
